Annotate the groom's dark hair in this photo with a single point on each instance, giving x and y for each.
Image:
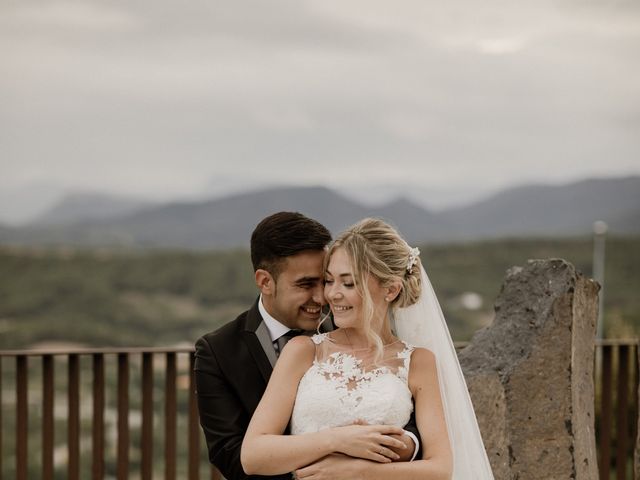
(282, 235)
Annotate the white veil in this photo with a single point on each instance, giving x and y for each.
(423, 325)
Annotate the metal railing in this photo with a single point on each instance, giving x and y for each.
(33, 411)
(616, 402)
(177, 373)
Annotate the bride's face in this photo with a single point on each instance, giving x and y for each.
(343, 296)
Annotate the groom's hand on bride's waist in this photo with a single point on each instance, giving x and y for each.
(335, 467)
(343, 467)
(406, 453)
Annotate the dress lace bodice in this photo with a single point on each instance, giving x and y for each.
(344, 385)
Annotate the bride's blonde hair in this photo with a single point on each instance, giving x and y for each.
(377, 249)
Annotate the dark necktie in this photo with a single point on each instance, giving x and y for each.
(282, 341)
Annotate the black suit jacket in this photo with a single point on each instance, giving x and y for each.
(232, 368)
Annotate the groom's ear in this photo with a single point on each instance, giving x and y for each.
(265, 282)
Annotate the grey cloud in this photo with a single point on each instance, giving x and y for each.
(157, 96)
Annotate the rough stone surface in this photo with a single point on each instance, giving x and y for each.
(530, 374)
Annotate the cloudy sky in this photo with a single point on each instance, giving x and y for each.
(167, 99)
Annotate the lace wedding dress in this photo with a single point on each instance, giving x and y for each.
(344, 385)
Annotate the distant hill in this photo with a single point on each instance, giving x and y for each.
(79, 207)
(539, 210)
(552, 210)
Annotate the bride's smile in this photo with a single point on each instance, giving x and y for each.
(340, 308)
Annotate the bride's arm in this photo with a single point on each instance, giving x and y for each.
(266, 451)
(436, 462)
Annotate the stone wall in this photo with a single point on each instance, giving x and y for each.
(530, 374)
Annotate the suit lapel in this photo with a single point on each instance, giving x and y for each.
(258, 341)
(262, 332)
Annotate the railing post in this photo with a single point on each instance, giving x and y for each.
(605, 412)
(622, 418)
(74, 417)
(97, 465)
(194, 443)
(1, 424)
(123, 416)
(47, 416)
(636, 396)
(147, 417)
(24, 454)
(22, 417)
(170, 409)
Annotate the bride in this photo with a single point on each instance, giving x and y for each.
(350, 391)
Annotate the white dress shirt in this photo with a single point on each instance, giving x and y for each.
(275, 328)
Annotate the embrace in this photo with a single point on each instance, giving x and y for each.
(372, 389)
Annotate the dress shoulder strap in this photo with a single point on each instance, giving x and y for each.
(322, 343)
(318, 338)
(405, 356)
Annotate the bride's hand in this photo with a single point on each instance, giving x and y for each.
(372, 442)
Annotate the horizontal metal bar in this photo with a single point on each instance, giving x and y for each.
(615, 342)
(91, 351)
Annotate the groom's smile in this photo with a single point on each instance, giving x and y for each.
(311, 310)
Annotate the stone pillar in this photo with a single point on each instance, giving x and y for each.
(530, 374)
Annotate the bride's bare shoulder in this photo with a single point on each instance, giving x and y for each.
(299, 347)
(423, 376)
(422, 361)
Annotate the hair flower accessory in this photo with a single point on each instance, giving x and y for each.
(414, 253)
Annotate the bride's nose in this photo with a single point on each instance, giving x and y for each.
(333, 294)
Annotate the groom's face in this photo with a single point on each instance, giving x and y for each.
(297, 298)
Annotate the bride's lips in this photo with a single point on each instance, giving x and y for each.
(338, 309)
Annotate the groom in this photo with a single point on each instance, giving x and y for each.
(233, 364)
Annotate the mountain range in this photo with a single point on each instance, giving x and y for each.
(533, 210)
